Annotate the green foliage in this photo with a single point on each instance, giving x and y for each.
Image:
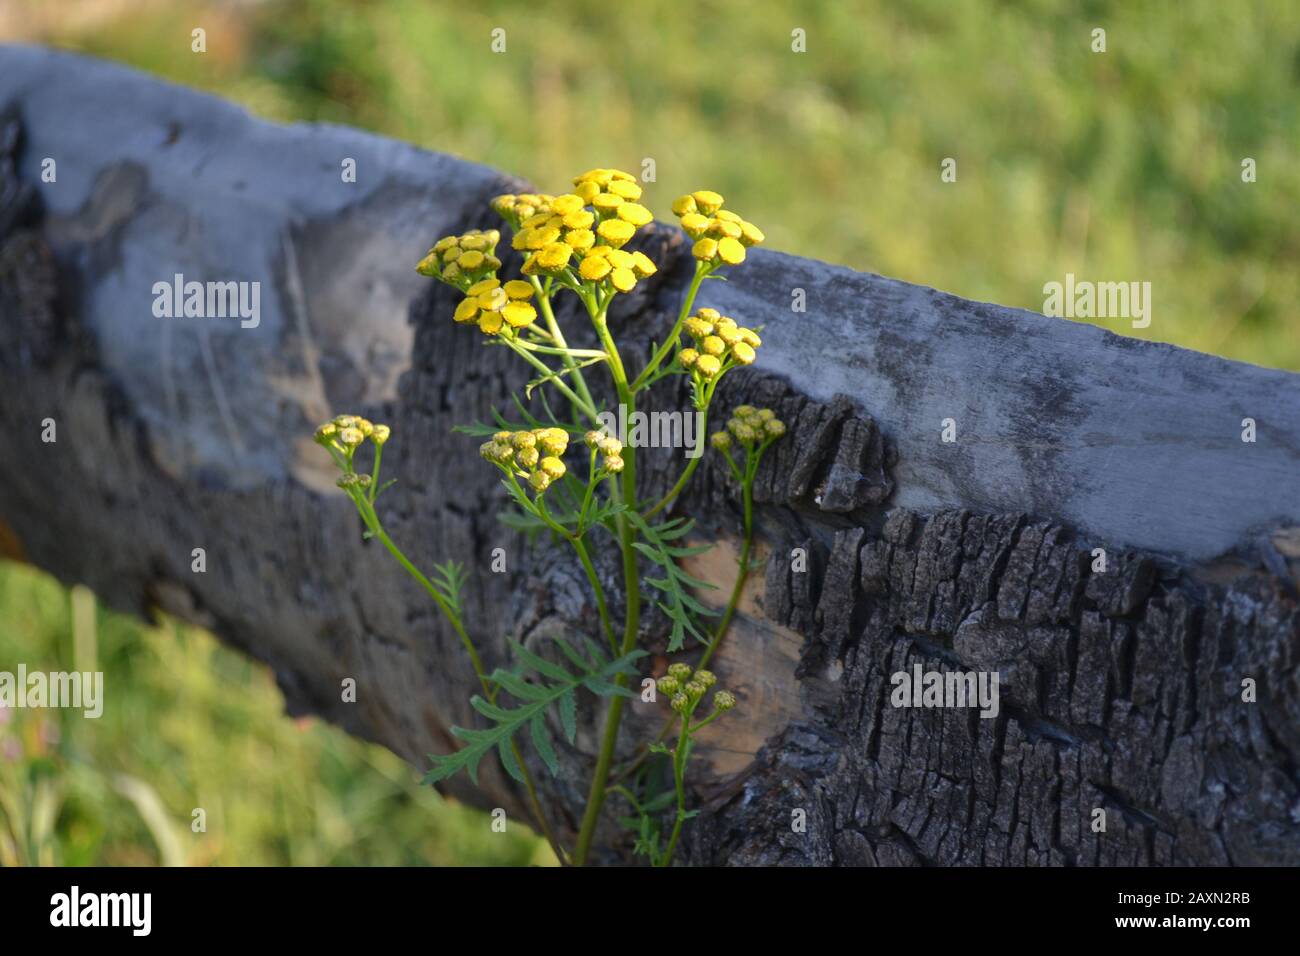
(557, 687)
(675, 585)
(1116, 165)
(189, 722)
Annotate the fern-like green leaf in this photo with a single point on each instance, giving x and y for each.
(679, 605)
(558, 685)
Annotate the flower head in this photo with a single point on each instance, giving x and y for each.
(536, 455)
(494, 307)
(720, 236)
(718, 344)
(581, 235)
(462, 260)
(751, 426)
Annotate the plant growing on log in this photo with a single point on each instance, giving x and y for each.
(577, 242)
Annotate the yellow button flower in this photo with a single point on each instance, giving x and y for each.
(683, 205)
(731, 251)
(582, 219)
(707, 201)
(489, 322)
(519, 289)
(580, 239)
(708, 365)
(698, 327)
(491, 299)
(750, 234)
(705, 249)
(615, 231)
(643, 265)
(635, 213)
(554, 256)
(695, 225)
(564, 205)
(625, 189)
(624, 280)
(594, 268)
(607, 202)
(467, 311)
(519, 314)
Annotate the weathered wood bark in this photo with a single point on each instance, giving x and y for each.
(1122, 690)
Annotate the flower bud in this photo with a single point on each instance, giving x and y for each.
(720, 440)
(707, 678)
(681, 704)
(380, 434)
(724, 700)
(679, 670)
(669, 685)
(708, 365)
(540, 481)
(614, 464)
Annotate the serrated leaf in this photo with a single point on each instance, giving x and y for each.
(537, 663)
(517, 687)
(542, 743)
(507, 754)
(605, 688)
(569, 715)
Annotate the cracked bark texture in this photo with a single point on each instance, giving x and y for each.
(1121, 690)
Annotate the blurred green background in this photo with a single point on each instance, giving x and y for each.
(1122, 165)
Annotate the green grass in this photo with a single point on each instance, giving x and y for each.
(1123, 165)
(189, 723)
(1116, 166)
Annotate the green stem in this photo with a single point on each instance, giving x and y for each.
(679, 781)
(677, 488)
(544, 299)
(632, 589)
(585, 407)
(701, 270)
(372, 521)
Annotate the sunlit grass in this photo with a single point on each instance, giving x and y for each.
(188, 724)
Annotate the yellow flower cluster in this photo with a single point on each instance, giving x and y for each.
(494, 306)
(719, 344)
(686, 690)
(343, 435)
(721, 237)
(609, 447)
(581, 234)
(462, 260)
(749, 426)
(535, 455)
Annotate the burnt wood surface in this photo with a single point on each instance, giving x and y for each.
(1121, 690)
